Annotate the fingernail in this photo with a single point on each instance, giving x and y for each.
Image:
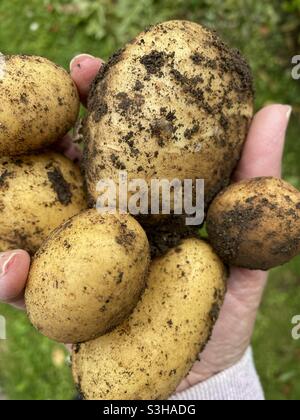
(289, 112)
(6, 261)
(79, 58)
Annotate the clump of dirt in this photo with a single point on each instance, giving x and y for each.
(125, 103)
(61, 187)
(154, 62)
(126, 237)
(242, 217)
(190, 132)
(117, 163)
(3, 178)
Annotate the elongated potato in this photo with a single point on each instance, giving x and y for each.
(39, 103)
(174, 103)
(255, 223)
(87, 277)
(149, 354)
(37, 194)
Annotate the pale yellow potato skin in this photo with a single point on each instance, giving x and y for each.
(87, 277)
(255, 223)
(150, 353)
(174, 103)
(39, 103)
(37, 194)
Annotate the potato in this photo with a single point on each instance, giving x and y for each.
(174, 103)
(39, 103)
(256, 223)
(37, 194)
(87, 277)
(150, 353)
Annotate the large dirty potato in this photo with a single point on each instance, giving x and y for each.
(87, 277)
(148, 355)
(39, 103)
(256, 223)
(176, 102)
(37, 194)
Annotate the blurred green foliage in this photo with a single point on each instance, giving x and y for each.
(268, 33)
(277, 355)
(291, 6)
(32, 367)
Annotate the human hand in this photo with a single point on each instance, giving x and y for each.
(262, 156)
(232, 334)
(14, 265)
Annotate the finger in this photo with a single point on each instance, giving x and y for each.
(247, 286)
(68, 148)
(84, 68)
(262, 154)
(14, 268)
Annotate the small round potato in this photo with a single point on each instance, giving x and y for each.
(175, 103)
(255, 223)
(148, 355)
(39, 103)
(37, 194)
(87, 277)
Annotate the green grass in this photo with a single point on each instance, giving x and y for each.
(277, 355)
(31, 367)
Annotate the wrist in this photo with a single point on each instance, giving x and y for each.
(211, 364)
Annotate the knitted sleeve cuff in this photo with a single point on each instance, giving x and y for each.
(240, 382)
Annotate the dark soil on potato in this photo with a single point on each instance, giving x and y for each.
(167, 234)
(61, 187)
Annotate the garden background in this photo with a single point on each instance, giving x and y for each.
(268, 33)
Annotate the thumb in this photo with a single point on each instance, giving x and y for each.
(14, 268)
